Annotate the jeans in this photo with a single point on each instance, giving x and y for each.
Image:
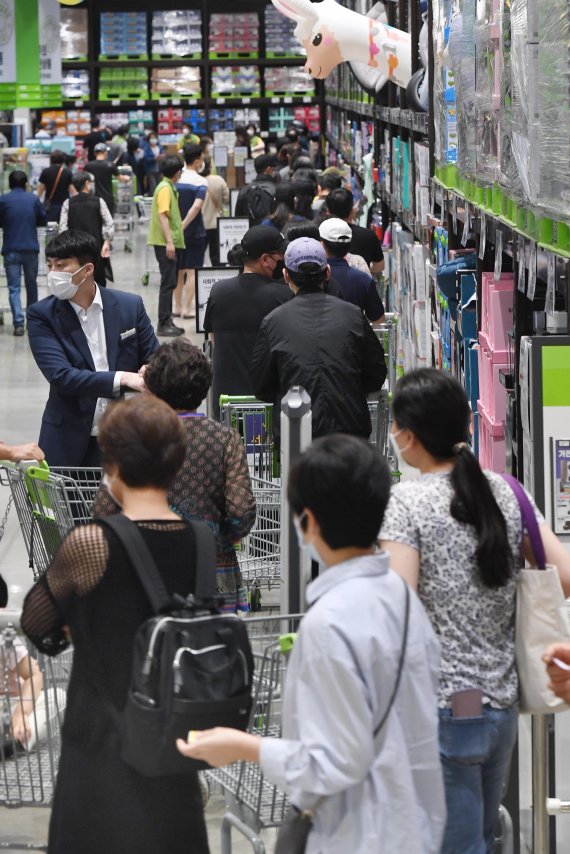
(475, 755)
(168, 280)
(14, 263)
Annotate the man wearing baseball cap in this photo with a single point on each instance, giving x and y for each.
(103, 170)
(356, 287)
(237, 306)
(319, 342)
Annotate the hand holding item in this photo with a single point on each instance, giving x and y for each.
(557, 659)
(220, 746)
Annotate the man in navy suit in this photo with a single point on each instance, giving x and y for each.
(89, 343)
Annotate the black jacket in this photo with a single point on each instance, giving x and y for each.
(328, 347)
(259, 206)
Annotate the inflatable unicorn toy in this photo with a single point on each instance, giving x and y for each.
(332, 34)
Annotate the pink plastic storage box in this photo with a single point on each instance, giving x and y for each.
(492, 394)
(492, 448)
(497, 309)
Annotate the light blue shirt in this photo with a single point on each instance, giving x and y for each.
(384, 794)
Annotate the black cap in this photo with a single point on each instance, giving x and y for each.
(261, 239)
(264, 161)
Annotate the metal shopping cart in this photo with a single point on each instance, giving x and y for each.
(125, 210)
(144, 206)
(49, 503)
(28, 773)
(253, 420)
(259, 553)
(253, 803)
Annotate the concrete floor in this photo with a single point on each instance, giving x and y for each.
(23, 392)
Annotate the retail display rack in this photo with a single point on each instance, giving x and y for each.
(204, 61)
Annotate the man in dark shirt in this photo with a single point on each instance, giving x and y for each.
(103, 171)
(340, 203)
(356, 287)
(98, 134)
(20, 215)
(53, 185)
(255, 199)
(237, 306)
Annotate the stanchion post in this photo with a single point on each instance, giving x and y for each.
(295, 438)
(540, 774)
(207, 350)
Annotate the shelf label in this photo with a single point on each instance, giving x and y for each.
(163, 102)
(498, 255)
(141, 102)
(276, 100)
(532, 272)
(521, 260)
(482, 236)
(221, 100)
(175, 102)
(307, 99)
(116, 102)
(466, 225)
(550, 302)
(453, 200)
(246, 100)
(287, 100)
(79, 103)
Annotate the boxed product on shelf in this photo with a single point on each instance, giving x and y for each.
(75, 84)
(123, 34)
(235, 81)
(176, 33)
(288, 81)
(280, 39)
(183, 81)
(234, 35)
(140, 121)
(73, 33)
(226, 120)
(128, 84)
(196, 118)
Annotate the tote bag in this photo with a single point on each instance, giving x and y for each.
(541, 617)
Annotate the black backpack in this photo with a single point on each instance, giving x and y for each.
(192, 665)
(258, 198)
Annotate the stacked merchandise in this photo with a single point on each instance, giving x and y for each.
(196, 118)
(73, 33)
(288, 81)
(280, 39)
(235, 81)
(182, 81)
(75, 84)
(353, 139)
(445, 105)
(228, 120)
(123, 84)
(123, 35)
(140, 122)
(421, 157)
(176, 34)
(410, 290)
(341, 83)
(234, 36)
(170, 120)
(68, 123)
(280, 118)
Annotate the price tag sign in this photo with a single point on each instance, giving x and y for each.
(550, 302)
(141, 102)
(498, 255)
(453, 201)
(175, 102)
(221, 100)
(521, 283)
(162, 102)
(246, 100)
(482, 236)
(79, 103)
(466, 225)
(532, 272)
(116, 102)
(276, 100)
(307, 99)
(287, 100)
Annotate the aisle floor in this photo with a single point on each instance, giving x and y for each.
(23, 393)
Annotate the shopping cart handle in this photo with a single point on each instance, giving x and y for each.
(237, 398)
(287, 641)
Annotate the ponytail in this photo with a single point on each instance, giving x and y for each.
(473, 503)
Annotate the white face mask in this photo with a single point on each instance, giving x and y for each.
(309, 548)
(400, 451)
(107, 484)
(61, 285)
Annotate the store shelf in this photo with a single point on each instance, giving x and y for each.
(417, 122)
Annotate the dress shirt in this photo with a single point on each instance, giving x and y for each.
(370, 794)
(93, 328)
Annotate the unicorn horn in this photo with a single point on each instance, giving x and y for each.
(301, 11)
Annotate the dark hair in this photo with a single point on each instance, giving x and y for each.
(309, 275)
(345, 482)
(301, 161)
(180, 374)
(133, 144)
(207, 170)
(17, 179)
(282, 205)
(336, 250)
(330, 182)
(304, 195)
(57, 157)
(74, 244)
(304, 228)
(236, 256)
(434, 406)
(340, 203)
(192, 152)
(123, 130)
(144, 439)
(287, 152)
(171, 165)
(81, 179)
(95, 122)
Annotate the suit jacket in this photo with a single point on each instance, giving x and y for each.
(62, 354)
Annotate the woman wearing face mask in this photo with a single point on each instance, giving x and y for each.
(88, 213)
(152, 153)
(455, 535)
(359, 745)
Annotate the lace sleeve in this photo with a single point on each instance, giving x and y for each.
(240, 503)
(77, 568)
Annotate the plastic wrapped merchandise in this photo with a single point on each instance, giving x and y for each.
(508, 172)
(73, 33)
(461, 54)
(522, 52)
(445, 114)
(486, 32)
(550, 163)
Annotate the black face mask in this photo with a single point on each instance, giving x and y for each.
(278, 271)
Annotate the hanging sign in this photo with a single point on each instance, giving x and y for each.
(7, 41)
(50, 42)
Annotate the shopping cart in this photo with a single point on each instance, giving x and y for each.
(253, 420)
(125, 210)
(49, 503)
(28, 774)
(253, 803)
(259, 553)
(144, 206)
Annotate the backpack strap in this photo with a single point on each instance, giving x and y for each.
(206, 560)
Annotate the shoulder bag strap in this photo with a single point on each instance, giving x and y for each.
(529, 523)
(141, 559)
(54, 188)
(400, 662)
